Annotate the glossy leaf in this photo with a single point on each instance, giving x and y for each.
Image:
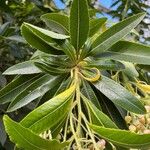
(52, 70)
(26, 139)
(90, 94)
(44, 117)
(35, 90)
(45, 34)
(119, 95)
(95, 25)
(129, 51)
(106, 64)
(123, 138)
(26, 67)
(115, 33)
(57, 22)
(10, 91)
(97, 116)
(39, 41)
(110, 109)
(79, 23)
(56, 129)
(130, 70)
(68, 49)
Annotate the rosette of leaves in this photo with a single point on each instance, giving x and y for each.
(68, 79)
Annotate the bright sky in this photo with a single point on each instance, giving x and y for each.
(106, 3)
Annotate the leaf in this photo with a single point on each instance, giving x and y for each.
(43, 33)
(122, 137)
(35, 90)
(57, 22)
(50, 113)
(56, 129)
(4, 27)
(26, 67)
(130, 70)
(26, 139)
(106, 64)
(16, 38)
(90, 94)
(115, 33)
(38, 41)
(110, 109)
(95, 25)
(10, 91)
(68, 49)
(97, 116)
(92, 12)
(52, 70)
(79, 23)
(119, 95)
(128, 51)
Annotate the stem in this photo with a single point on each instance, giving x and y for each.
(78, 100)
(90, 133)
(74, 133)
(65, 130)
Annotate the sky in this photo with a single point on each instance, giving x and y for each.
(106, 3)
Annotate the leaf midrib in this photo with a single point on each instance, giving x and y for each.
(125, 143)
(78, 30)
(111, 37)
(27, 140)
(64, 28)
(50, 112)
(104, 83)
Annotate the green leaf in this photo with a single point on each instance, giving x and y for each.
(50, 113)
(130, 70)
(129, 51)
(115, 33)
(95, 25)
(53, 70)
(90, 94)
(26, 139)
(35, 90)
(10, 91)
(56, 129)
(26, 67)
(45, 34)
(97, 116)
(38, 40)
(119, 95)
(110, 109)
(92, 12)
(106, 64)
(122, 137)
(57, 22)
(79, 23)
(68, 49)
